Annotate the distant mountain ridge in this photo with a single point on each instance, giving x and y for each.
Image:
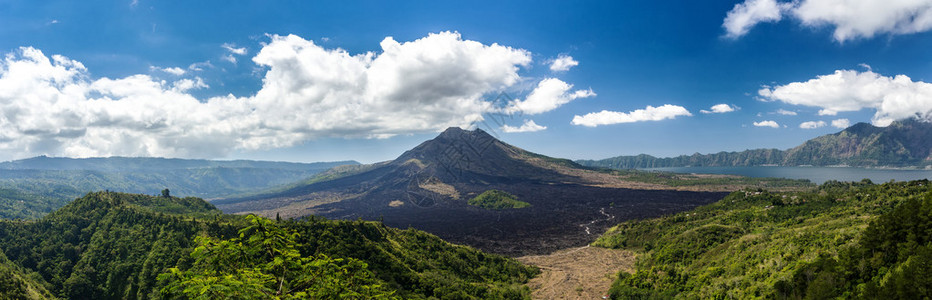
(30, 188)
(905, 143)
(126, 164)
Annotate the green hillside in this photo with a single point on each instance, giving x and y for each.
(854, 240)
(497, 200)
(109, 245)
(15, 284)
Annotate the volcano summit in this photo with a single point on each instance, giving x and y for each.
(429, 186)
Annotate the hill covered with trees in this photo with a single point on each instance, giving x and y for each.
(849, 240)
(109, 245)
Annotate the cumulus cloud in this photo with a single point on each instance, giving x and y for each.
(767, 123)
(850, 19)
(893, 98)
(719, 109)
(745, 15)
(53, 106)
(528, 126)
(562, 63)
(650, 113)
(812, 124)
(549, 94)
(841, 123)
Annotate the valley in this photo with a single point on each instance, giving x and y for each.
(428, 187)
(577, 231)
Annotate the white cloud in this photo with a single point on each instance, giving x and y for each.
(171, 70)
(850, 19)
(745, 15)
(54, 106)
(233, 49)
(650, 113)
(785, 112)
(841, 123)
(563, 62)
(767, 123)
(812, 124)
(549, 94)
(719, 109)
(893, 98)
(186, 84)
(528, 126)
(230, 58)
(199, 66)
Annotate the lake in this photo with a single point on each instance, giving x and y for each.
(815, 174)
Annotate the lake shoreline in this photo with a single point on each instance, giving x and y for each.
(816, 174)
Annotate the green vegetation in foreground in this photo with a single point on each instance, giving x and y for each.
(15, 284)
(497, 200)
(109, 245)
(849, 240)
(693, 180)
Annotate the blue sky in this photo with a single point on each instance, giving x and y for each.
(291, 80)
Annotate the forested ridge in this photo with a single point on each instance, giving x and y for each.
(32, 188)
(850, 240)
(109, 245)
(904, 143)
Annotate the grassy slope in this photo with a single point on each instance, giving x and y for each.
(745, 244)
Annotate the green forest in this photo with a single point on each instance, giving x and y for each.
(497, 200)
(848, 240)
(109, 245)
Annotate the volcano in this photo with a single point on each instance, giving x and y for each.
(428, 188)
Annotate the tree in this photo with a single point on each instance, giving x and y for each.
(263, 263)
(166, 193)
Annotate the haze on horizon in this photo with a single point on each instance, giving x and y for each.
(366, 81)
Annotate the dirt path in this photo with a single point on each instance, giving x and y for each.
(577, 273)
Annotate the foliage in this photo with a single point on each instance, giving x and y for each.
(16, 204)
(109, 245)
(497, 200)
(757, 244)
(15, 284)
(263, 262)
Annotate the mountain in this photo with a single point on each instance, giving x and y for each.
(905, 143)
(109, 245)
(429, 188)
(30, 188)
